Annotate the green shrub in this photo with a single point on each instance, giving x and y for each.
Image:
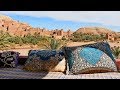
(63, 38)
(51, 43)
(77, 37)
(116, 51)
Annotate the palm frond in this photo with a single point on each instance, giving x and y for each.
(51, 43)
(116, 51)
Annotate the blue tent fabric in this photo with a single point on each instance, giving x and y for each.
(96, 57)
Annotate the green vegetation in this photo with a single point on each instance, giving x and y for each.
(29, 39)
(63, 38)
(4, 43)
(116, 51)
(78, 37)
(43, 42)
(51, 43)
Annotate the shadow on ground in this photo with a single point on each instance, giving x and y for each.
(20, 73)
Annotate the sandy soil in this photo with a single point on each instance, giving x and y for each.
(112, 44)
(24, 50)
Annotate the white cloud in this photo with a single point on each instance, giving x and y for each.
(103, 17)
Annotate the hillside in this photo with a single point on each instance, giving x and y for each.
(25, 41)
(95, 30)
(14, 28)
(5, 17)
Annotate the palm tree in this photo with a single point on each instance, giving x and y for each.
(52, 44)
(116, 51)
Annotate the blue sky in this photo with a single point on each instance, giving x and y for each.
(68, 19)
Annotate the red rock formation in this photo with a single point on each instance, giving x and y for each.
(110, 35)
(94, 30)
(14, 28)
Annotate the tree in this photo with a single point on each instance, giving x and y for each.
(4, 41)
(51, 43)
(1, 32)
(63, 38)
(116, 51)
